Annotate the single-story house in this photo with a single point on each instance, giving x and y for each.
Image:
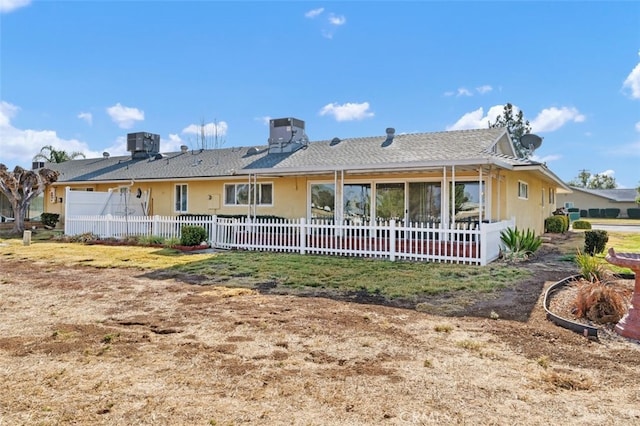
(415, 177)
(585, 199)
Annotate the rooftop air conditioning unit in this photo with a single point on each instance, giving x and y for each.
(143, 144)
(286, 135)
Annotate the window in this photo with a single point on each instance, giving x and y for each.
(322, 201)
(356, 202)
(242, 194)
(552, 196)
(523, 190)
(469, 199)
(390, 201)
(181, 198)
(425, 200)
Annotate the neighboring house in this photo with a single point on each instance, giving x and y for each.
(408, 177)
(585, 199)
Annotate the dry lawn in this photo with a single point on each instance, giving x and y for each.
(80, 345)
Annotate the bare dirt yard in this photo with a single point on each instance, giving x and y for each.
(80, 345)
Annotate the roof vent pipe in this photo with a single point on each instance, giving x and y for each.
(184, 148)
(390, 132)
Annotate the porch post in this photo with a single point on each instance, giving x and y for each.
(444, 204)
(480, 194)
(392, 240)
(249, 199)
(499, 196)
(453, 197)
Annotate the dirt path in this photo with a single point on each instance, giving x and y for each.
(97, 346)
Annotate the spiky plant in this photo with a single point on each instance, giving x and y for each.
(520, 244)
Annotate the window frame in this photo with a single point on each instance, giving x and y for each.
(251, 190)
(184, 193)
(523, 190)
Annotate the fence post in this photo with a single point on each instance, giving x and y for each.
(108, 226)
(302, 232)
(213, 233)
(483, 243)
(392, 240)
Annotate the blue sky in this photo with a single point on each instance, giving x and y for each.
(80, 75)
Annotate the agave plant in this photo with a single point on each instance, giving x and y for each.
(520, 244)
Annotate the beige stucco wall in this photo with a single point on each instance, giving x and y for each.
(530, 213)
(585, 201)
(291, 194)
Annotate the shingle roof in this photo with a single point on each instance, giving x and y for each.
(439, 148)
(621, 195)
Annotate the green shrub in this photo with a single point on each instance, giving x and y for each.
(611, 213)
(150, 240)
(589, 266)
(584, 213)
(554, 224)
(192, 235)
(49, 219)
(581, 224)
(171, 242)
(520, 244)
(633, 213)
(594, 212)
(595, 241)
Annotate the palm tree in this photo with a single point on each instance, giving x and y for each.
(50, 154)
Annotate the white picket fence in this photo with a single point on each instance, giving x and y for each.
(479, 244)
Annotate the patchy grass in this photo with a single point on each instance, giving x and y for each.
(624, 241)
(98, 256)
(291, 271)
(390, 279)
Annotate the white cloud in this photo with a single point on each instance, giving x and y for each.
(330, 25)
(463, 91)
(625, 150)
(7, 6)
(7, 112)
(347, 112)
(477, 120)
(20, 145)
(86, 116)
(632, 83)
(264, 120)
(547, 158)
(337, 20)
(174, 138)
(327, 34)
(314, 13)
(125, 117)
(550, 119)
(210, 129)
(608, 172)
